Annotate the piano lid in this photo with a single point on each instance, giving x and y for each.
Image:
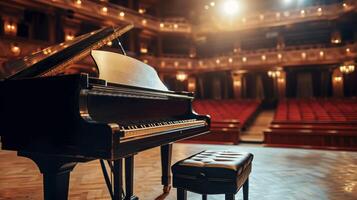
(55, 59)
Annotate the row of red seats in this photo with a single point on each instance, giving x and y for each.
(227, 109)
(317, 110)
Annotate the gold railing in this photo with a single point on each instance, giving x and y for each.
(115, 14)
(260, 59)
(278, 18)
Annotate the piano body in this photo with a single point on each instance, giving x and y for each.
(58, 119)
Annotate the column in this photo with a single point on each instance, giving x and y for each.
(337, 83)
(191, 84)
(237, 85)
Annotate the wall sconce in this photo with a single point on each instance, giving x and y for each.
(15, 49)
(10, 28)
(337, 79)
(347, 69)
(273, 74)
(181, 76)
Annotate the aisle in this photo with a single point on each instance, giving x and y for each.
(254, 132)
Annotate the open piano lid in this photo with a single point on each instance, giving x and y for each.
(53, 60)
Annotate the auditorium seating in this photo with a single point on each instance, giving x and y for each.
(317, 123)
(228, 117)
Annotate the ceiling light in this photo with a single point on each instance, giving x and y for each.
(230, 7)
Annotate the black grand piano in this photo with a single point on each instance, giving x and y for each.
(59, 119)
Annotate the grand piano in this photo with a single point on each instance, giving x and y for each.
(58, 118)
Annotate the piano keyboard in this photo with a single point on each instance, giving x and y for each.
(153, 128)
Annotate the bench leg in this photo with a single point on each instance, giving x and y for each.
(229, 197)
(246, 189)
(204, 196)
(181, 194)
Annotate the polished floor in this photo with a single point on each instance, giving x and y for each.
(278, 173)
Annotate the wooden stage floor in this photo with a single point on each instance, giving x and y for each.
(277, 174)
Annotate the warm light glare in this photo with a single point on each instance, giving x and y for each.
(244, 59)
(121, 14)
(322, 54)
(181, 76)
(78, 2)
(142, 10)
(230, 7)
(302, 12)
(264, 57)
(110, 43)
(175, 26)
(161, 25)
(144, 21)
(280, 56)
(230, 60)
(212, 3)
(348, 50)
(15, 49)
(105, 9)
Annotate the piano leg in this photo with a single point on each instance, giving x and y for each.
(129, 178)
(118, 179)
(56, 172)
(166, 154)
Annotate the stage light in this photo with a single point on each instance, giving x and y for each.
(287, 1)
(231, 7)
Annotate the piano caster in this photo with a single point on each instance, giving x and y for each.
(166, 188)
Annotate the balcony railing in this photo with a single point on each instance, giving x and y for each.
(260, 60)
(112, 14)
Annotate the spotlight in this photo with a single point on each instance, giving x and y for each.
(231, 7)
(287, 1)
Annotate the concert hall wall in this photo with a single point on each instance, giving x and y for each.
(300, 81)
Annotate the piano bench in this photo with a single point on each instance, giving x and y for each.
(213, 172)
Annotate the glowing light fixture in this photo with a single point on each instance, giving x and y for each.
(181, 76)
(110, 43)
(230, 60)
(230, 7)
(175, 26)
(346, 69)
(244, 59)
(142, 10)
(280, 56)
(121, 14)
(302, 13)
(162, 25)
(337, 79)
(212, 3)
(322, 54)
(274, 74)
(104, 9)
(144, 22)
(15, 49)
(78, 2)
(264, 57)
(319, 11)
(303, 55)
(348, 50)
(218, 61)
(287, 1)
